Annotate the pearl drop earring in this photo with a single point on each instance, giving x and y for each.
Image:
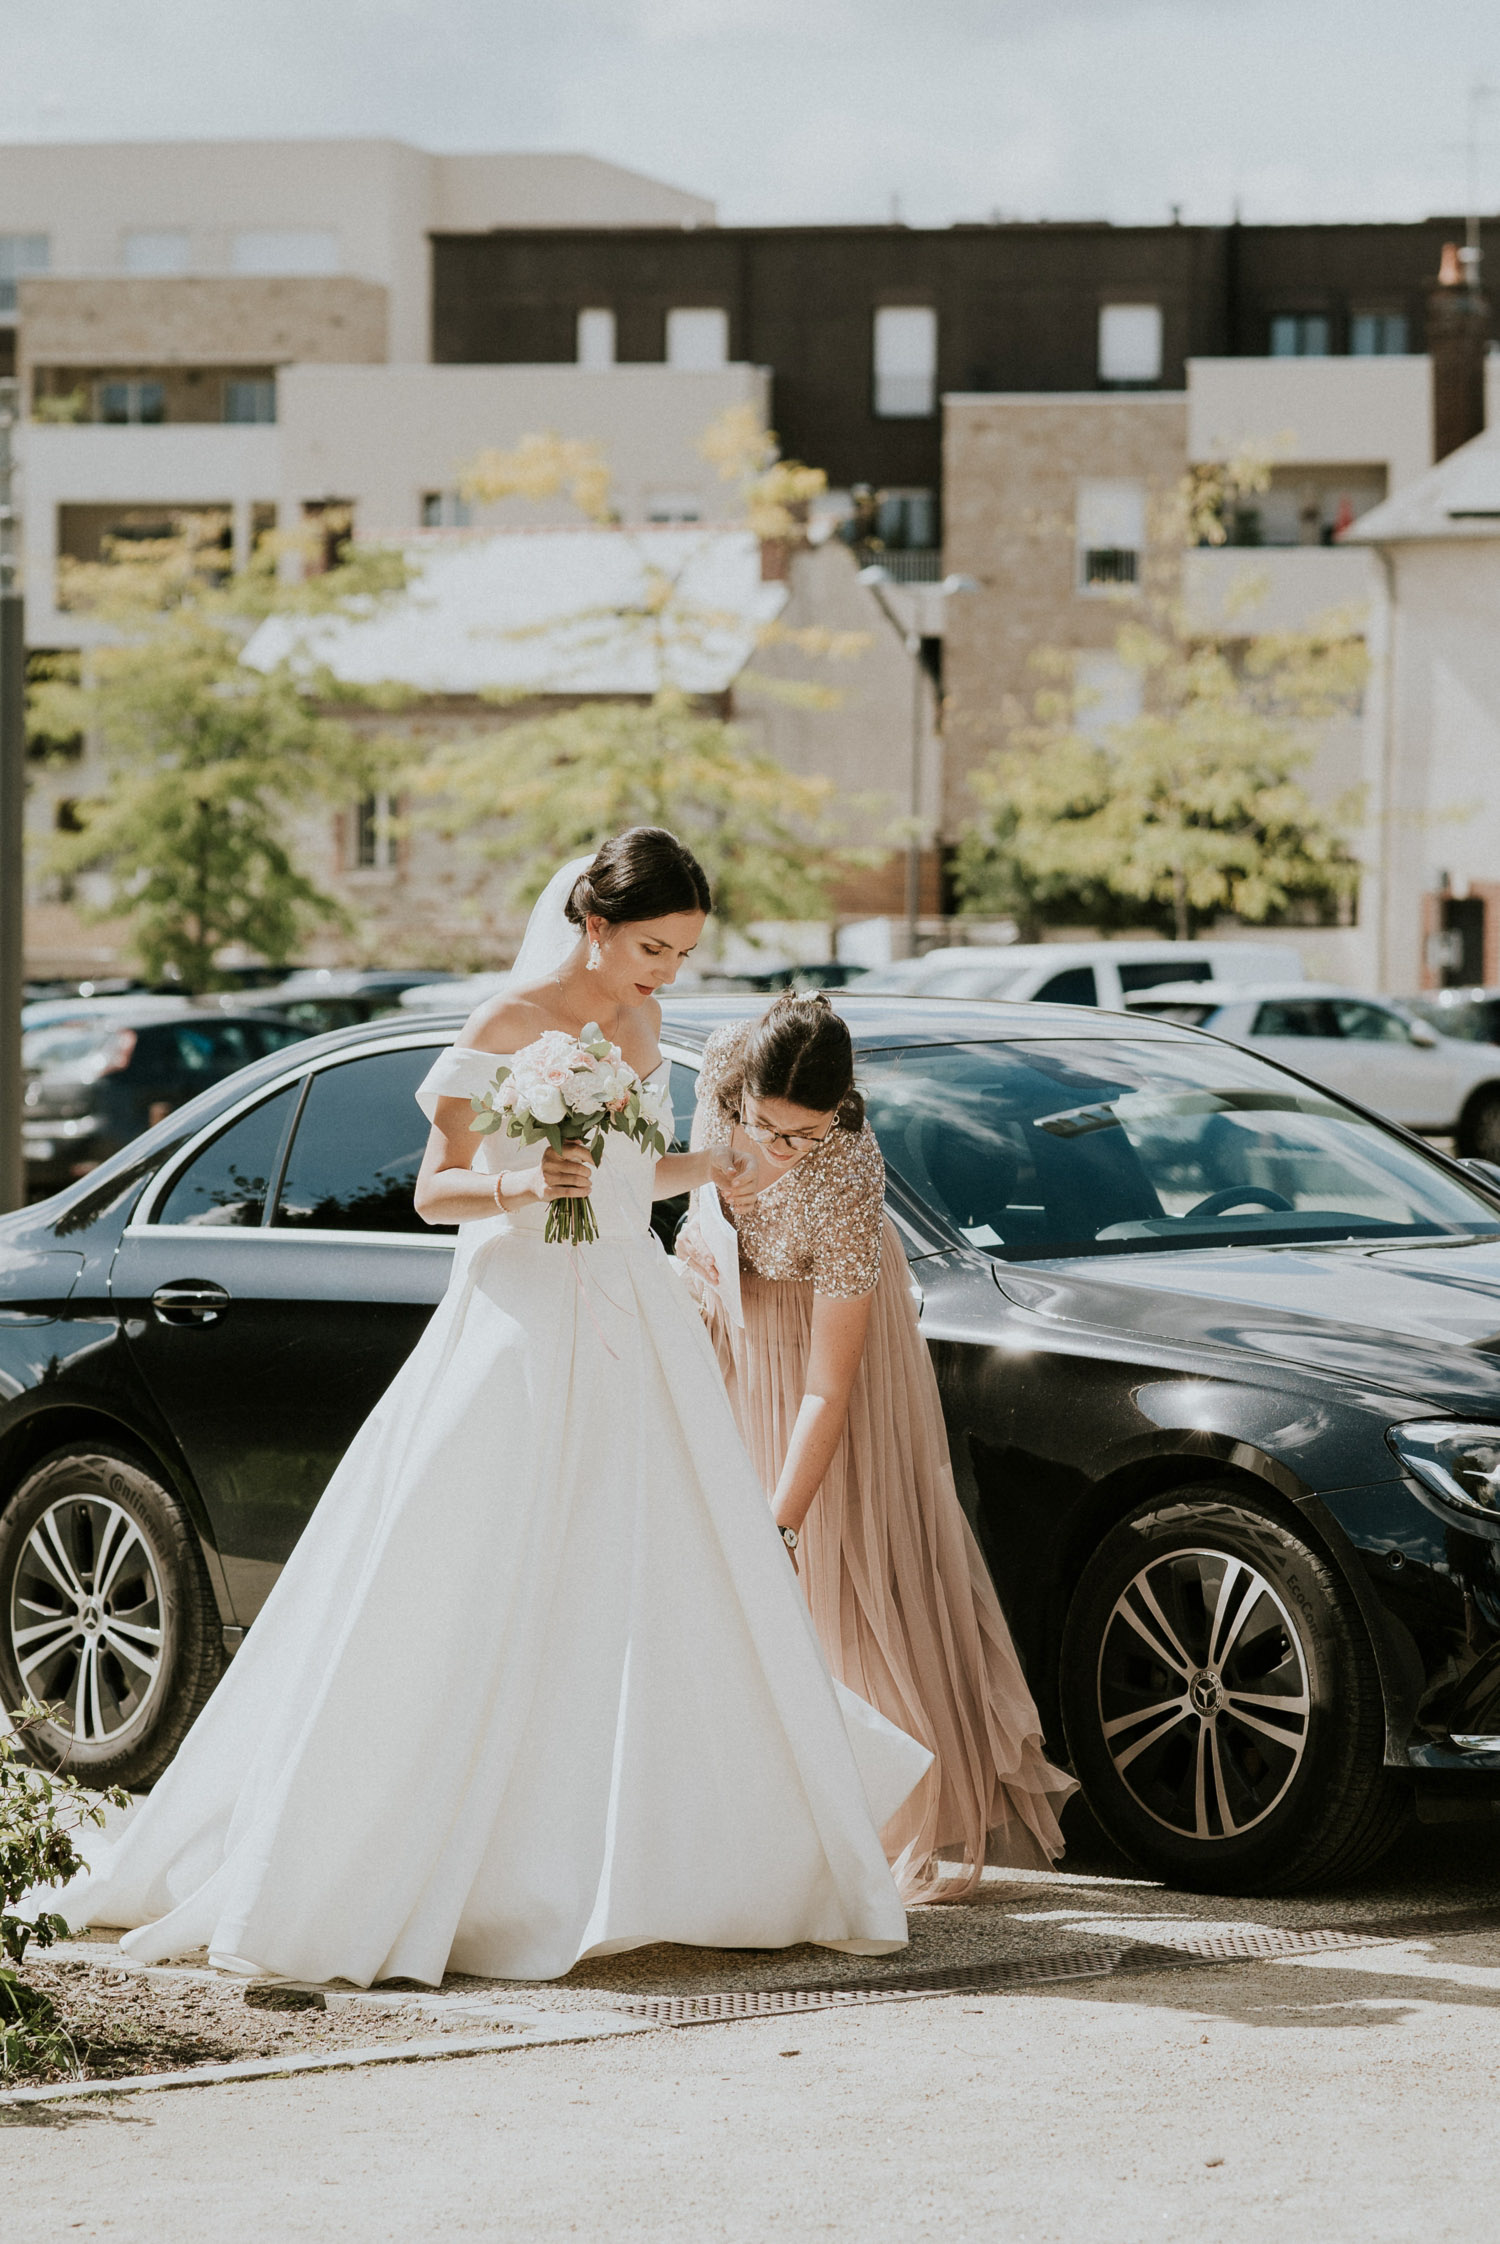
(592, 962)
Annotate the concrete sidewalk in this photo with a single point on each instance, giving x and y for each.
(1343, 2094)
(1208, 2107)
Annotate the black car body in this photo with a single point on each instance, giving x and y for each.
(1231, 1455)
(93, 1085)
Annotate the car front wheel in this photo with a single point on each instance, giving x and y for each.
(107, 1617)
(1222, 1705)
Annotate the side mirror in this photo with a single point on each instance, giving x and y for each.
(1488, 1172)
(1422, 1035)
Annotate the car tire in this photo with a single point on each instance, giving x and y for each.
(133, 1670)
(1478, 1133)
(1221, 1701)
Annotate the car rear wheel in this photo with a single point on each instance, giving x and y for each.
(107, 1616)
(1222, 1704)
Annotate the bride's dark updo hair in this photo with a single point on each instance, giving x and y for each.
(644, 873)
(801, 1051)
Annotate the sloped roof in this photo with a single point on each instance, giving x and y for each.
(1459, 498)
(551, 611)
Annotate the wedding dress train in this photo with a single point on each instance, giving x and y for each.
(537, 1682)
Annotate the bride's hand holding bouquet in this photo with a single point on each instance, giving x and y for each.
(571, 1092)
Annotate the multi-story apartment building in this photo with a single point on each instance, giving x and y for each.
(866, 328)
(283, 331)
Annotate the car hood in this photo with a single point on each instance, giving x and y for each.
(1417, 1321)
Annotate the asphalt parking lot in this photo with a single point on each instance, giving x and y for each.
(1091, 2056)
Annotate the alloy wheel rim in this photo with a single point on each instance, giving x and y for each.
(1203, 1694)
(86, 1618)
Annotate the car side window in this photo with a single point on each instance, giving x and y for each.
(227, 1182)
(684, 1082)
(1074, 987)
(1368, 1024)
(207, 1049)
(1299, 1016)
(359, 1143)
(1133, 978)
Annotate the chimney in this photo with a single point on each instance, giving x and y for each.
(1458, 333)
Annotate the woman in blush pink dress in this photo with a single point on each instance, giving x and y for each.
(837, 1402)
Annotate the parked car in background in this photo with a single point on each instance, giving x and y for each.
(1363, 1047)
(327, 997)
(93, 1084)
(1214, 1350)
(1077, 973)
(46, 1012)
(1470, 1015)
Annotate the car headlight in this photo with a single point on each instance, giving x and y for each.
(1458, 1462)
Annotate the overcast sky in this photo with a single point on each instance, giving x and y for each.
(807, 109)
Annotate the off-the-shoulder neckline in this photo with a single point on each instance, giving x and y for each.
(478, 1052)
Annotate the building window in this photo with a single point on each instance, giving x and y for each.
(906, 358)
(164, 250)
(251, 400)
(285, 250)
(1130, 343)
(445, 510)
(374, 843)
(1378, 335)
(122, 403)
(1111, 535)
(698, 339)
(1106, 692)
(21, 255)
(1299, 335)
(905, 521)
(596, 339)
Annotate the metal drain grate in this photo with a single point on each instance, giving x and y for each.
(1172, 1953)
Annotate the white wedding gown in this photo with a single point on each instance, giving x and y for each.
(538, 1682)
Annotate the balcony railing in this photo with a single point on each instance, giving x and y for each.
(905, 564)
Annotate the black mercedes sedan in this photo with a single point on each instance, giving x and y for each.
(1219, 1354)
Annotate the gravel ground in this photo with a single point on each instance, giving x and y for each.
(124, 2022)
(127, 2021)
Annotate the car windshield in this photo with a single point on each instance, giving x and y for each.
(1050, 1149)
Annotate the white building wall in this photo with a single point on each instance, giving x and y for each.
(214, 464)
(383, 435)
(1325, 410)
(380, 198)
(1432, 744)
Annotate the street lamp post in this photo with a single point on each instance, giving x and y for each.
(12, 817)
(877, 579)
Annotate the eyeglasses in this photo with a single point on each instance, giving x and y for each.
(795, 1141)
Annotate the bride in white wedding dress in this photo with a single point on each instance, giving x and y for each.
(611, 1722)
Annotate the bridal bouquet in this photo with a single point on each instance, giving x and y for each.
(573, 1090)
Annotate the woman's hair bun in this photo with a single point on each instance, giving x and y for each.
(800, 1050)
(644, 873)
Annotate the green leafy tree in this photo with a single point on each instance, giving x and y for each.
(534, 789)
(207, 761)
(1194, 808)
(532, 793)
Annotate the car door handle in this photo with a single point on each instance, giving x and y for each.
(190, 1301)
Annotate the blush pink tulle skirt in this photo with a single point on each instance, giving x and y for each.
(900, 1595)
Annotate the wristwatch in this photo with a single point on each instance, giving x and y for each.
(789, 1537)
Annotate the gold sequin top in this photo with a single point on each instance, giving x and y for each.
(820, 1224)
